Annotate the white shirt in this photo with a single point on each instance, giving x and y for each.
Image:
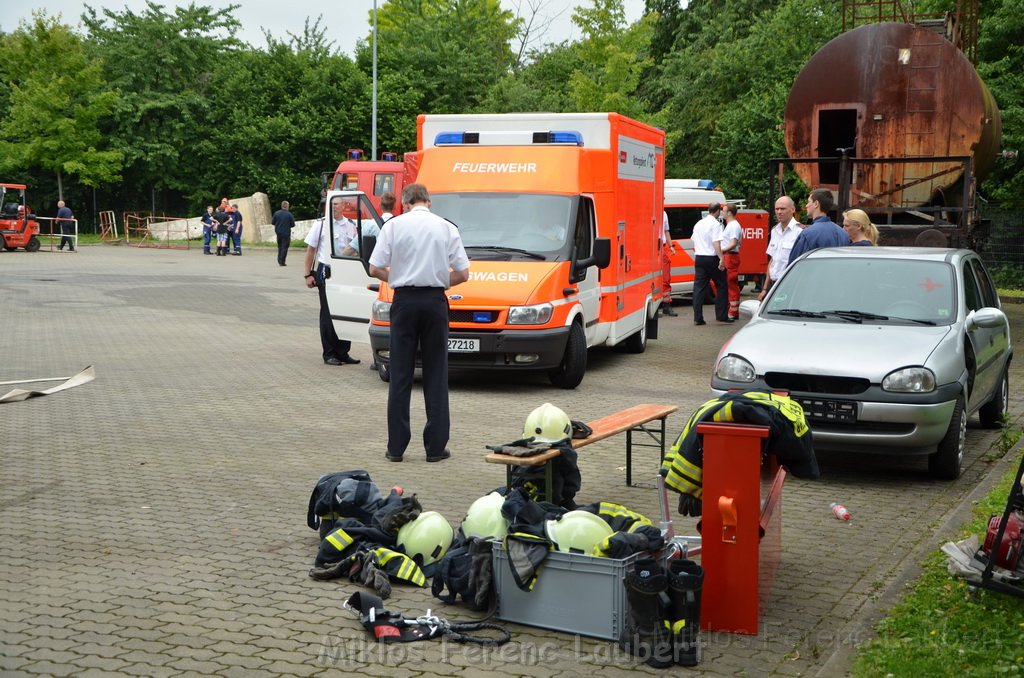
(780, 245)
(706, 232)
(344, 232)
(420, 249)
(666, 232)
(733, 231)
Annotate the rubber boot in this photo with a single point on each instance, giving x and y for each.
(646, 634)
(685, 581)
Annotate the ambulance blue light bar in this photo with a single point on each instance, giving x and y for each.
(509, 138)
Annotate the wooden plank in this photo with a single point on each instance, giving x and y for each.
(512, 460)
(623, 421)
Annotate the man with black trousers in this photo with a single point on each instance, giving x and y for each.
(318, 270)
(420, 255)
(709, 266)
(283, 222)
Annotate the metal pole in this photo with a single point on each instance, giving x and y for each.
(373, 143)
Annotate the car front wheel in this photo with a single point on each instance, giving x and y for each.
(945, 463)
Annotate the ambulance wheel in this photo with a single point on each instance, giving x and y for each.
(637, 342)
(569, 374)
(33, 244)
(383, 371)
(945, 462)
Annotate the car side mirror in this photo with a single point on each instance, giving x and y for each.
(987, 317)
(601, 256)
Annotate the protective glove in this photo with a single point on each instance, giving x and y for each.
(689, 505)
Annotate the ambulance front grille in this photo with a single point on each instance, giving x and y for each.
(469, 316)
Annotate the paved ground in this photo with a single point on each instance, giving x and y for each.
(153, 521)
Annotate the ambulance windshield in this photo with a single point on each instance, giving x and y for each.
(510, 226)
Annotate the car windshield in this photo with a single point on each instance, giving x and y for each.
(504, 226)
(866, 289)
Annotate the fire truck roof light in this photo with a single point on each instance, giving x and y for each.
(354, 154)
(450, 138)
(705, 183)
(574, 138)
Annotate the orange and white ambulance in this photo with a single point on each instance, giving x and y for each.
(560, 216)
(686, 202)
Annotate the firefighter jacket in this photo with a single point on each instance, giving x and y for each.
(789, 438)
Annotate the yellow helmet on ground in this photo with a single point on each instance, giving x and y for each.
(547, 424)
(484, 519)
(429, 537)
(578, 532)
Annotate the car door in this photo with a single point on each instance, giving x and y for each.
(988, 344)
(350, 290)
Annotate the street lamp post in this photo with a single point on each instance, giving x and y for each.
(373, 131)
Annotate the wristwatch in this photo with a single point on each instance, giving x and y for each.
(309, 275)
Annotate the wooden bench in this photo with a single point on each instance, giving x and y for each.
(646, 419)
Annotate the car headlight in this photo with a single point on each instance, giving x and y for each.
(910, 380)
(381, 311)
(530, 315)
(735, 368)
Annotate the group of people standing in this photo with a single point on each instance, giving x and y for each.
(717, 244)
(224, 226)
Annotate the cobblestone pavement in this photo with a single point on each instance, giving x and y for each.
(153, 521)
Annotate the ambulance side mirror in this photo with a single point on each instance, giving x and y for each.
(601, 256)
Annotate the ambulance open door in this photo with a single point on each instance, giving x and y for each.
(351, 291)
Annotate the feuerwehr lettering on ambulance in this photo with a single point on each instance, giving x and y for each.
(494, 167)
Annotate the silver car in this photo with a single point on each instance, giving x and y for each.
(888, 349)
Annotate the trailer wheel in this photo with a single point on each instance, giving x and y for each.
(383, 371)
(33, 244)
(945, 462)
(574, 363)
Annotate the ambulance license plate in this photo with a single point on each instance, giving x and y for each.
(463, 345)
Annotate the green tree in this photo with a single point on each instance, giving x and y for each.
(56, 102)
(163, 64)
(295, 107)
(612, 59)
(1001, 66)
(448, 52)
(728, 81)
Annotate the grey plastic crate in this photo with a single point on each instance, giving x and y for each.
(574, 593)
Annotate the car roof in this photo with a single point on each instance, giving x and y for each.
(917, 253)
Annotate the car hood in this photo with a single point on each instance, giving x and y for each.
(840, 349)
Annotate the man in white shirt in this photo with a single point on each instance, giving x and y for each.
(709, 266)
(318, 269)
(780, 244)
(419, 255)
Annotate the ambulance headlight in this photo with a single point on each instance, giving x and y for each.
(530, 315)
(381, 311)
(735, 368)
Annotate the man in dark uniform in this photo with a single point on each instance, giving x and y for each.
(66, 222)
(420, 255)
(208, 225)
(222, 219)
(283, 222)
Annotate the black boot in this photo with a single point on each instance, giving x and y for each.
(685, 581)
(645, 634)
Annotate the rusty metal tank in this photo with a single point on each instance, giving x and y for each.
(892, 90)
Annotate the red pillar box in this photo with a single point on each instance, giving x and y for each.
(741, 532)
